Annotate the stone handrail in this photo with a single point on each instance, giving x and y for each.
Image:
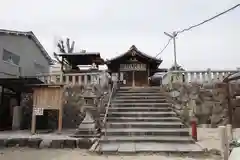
(114, 87)
(70, 78)
(197, 76)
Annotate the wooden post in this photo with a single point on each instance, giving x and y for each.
(62, 64)
(60, 120)
(133, 78)
(148, 74)
(223, 142)
(33, 124)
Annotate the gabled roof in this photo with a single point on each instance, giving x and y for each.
(83, 58)
(33, 37)
(79, 53)
(133, 48)
(232, 77)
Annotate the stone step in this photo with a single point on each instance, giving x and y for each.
(140, 97)
(133, 104)
(143, 119)
(146, 131)
(139, 94)
(139, 100)
(138, 147)
(86, 136)
(141, 114)
(139, 90)
(159, 139)
(124, 109)
(144, 125)
(142, 88)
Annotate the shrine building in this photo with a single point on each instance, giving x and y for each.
(133, 68)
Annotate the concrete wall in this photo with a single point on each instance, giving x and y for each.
(29, 54)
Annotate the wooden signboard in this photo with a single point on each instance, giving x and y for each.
(133, 67)
(47, 97)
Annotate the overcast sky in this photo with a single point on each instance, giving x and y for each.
(112, 26)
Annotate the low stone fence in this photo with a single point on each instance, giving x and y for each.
(207, 102)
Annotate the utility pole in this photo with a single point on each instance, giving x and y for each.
(173, 36)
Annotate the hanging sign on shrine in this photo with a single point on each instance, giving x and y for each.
(38, 111)
(133, 67)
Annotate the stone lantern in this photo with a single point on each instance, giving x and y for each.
(90, 124)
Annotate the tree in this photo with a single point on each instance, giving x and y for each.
(179, 68)
(66, 48)
(62, 48)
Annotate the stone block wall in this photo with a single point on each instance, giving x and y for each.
(73, 114)
(73, 101)
(207, 102)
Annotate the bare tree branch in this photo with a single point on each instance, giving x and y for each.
(68, 45)
(72, 47)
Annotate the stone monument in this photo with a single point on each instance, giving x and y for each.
(90, 125)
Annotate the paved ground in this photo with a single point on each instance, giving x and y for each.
(208, 138)
(29, 154)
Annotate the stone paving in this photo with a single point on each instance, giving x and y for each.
(207, 138)
(76, 154)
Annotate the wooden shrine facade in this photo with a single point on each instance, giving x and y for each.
(133, 68)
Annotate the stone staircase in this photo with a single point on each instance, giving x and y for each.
(141, 120)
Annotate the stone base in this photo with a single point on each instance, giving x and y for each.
(86, 133)
(87, 128)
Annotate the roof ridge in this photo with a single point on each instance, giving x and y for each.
(133, 47)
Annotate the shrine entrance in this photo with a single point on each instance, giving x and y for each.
(133, 68)
(127, 78)
(134, 74)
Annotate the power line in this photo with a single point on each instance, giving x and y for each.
(164, 47)
(193, 26)
(222, 13)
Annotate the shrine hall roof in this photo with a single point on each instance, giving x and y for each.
(132, 49)
(83, 58)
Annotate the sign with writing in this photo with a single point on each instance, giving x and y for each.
(38, 111)
(133, 67)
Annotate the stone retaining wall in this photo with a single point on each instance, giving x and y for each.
(73, 114)
(47, 143)
(207, 102)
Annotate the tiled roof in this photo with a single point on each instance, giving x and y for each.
(134, 48)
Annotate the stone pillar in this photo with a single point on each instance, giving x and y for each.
(223, 142)
(17, 117)
(85, 79)
(229, 132)
(2, 95)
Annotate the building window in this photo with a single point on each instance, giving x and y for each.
(40, 68)
(10, 57)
